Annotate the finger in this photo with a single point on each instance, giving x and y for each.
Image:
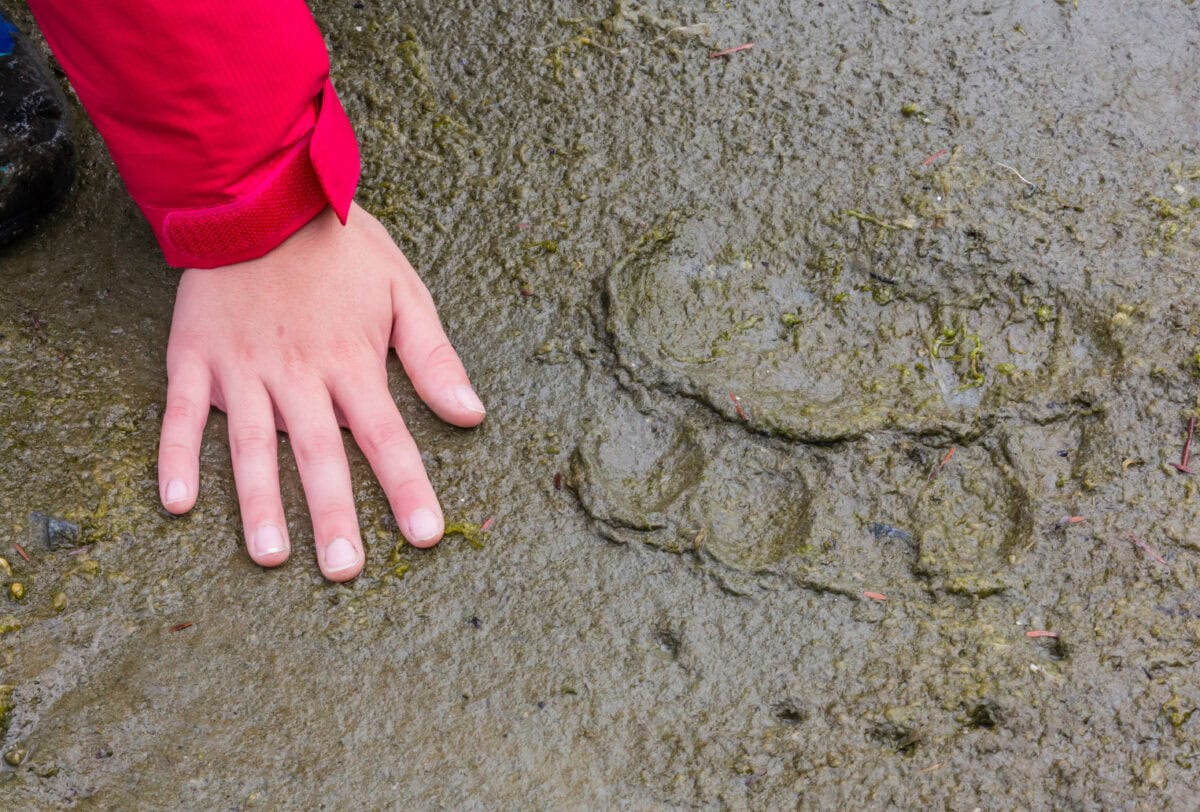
(321, 459)
(254, 449)
(188, 393)
(429, 359)
(380, 432)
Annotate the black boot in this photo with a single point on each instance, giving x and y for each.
(37, 161)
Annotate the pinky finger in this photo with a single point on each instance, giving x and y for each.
(188, 399)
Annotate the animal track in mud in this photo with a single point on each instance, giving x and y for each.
(874, 347)
(829, 348)
(864, 516)
(973, 520)
(682, 489)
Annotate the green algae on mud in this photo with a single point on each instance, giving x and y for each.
(470, 532)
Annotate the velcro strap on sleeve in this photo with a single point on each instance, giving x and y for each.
(322, 170)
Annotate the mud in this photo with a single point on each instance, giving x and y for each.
(740, 311)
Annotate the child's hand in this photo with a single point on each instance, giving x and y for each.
(297, 340)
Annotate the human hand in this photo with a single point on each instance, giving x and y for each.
(297, 341)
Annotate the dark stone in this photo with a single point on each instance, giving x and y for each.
(880, 531)
(58, 534)
(37, 160)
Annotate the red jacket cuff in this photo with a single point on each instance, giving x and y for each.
(321, 170)
(219, 116)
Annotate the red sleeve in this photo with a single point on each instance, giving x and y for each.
(219, 115)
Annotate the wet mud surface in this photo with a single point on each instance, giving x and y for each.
(901, 301)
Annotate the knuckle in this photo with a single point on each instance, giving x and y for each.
(386, 436)
(353, 362)
(408, 490)
(181, 409)
(175, 449)
(295, 362)
(443, 357)
(186, 347)
(346, 352)
(246, 355)
(335, 517)
(252, 439)
(353, 376)
(318, 446)
(257, 502)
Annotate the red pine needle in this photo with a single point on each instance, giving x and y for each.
(942, 464)
(737, 405)
(1147, 549)
(934, 157)
(1182, 465)
(728, 51)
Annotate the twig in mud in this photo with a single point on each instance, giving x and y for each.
(932, 767)
(582, 39)
(718, 54)
(942, 464)
(934, 157)
(1147, 549)
(178, 627)
(864, 217)
(20, 551)
(1182, 465)
(1040, 633)
(1024, 179)
(684, 31)
(737, 406)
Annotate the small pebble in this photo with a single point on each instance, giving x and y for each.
(56, 533)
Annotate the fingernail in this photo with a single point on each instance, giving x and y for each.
(267, 541)
(469, 400)
(176, 492)
(423, 525)
(340, 555)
